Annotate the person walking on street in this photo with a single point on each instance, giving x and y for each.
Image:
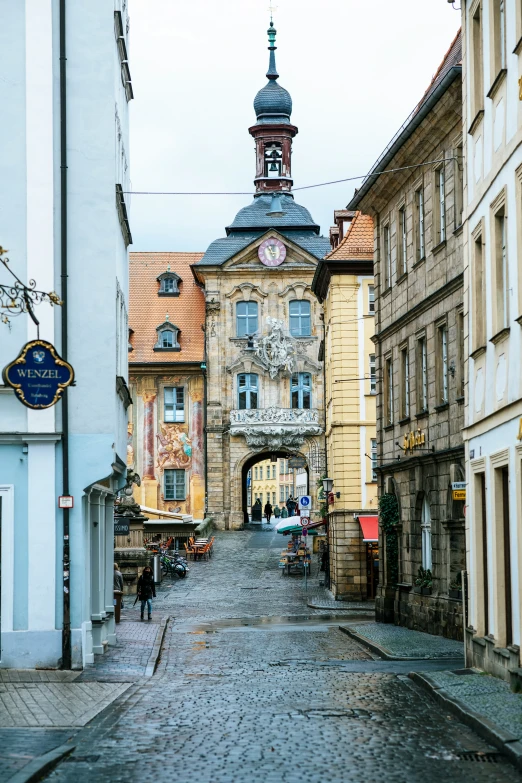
(118, 578)
(146, 591)
(290, 505)
(268, 511)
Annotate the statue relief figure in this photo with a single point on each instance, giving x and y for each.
(276, 350)
(174, 447)
(130, 446)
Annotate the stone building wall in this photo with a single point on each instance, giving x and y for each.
(420, 449)
(244, 278)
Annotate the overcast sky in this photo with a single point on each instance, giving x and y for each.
(354, 68)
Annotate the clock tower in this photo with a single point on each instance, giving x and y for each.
(264, 393)
(273, 131)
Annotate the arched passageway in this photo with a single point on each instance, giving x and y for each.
(281, 481)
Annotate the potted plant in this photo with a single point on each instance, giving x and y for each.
(423, 582)
(455, 588)
(427, 582)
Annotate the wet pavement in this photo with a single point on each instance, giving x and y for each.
(253, 685)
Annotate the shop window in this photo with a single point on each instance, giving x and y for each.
(246, 318)
(174, 485)
(301, 390)
(300, 320)
(247, 390)
(173, 404)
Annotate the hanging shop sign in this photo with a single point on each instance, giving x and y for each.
(121, 528)
(296, 462)
(38, 375)
(414, 440)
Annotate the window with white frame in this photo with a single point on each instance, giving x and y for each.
(426, 547)
(168, 337)
(301, 390)
(173, 403)
(388, 392)
(498, 25)
(405, 383)
(256, 473)
(387, 262)
(300, 318)
(440, 206)
(374, 458)
(371, 298)
(281, 494)
(373, 376)
(246, 318)
(174, 485)
(260, 473)
(422, 375)
(442, 360)
(420, 241)
(501, 309)
(281, 467)
(273, 471)
(402, 241)
(247, 391)
(273, 498)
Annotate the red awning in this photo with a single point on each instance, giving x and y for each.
(370, 528)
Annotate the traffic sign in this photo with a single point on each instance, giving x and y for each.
(304, 521)
(305, 502)
(305, 512)
(458, 485)
(305, 531)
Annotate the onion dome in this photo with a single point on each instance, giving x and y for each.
(272, 104)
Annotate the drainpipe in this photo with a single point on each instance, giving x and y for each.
(204, 367)
(66, 631)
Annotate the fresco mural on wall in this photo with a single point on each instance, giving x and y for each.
(174, 447)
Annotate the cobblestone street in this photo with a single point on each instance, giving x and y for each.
(255, 685)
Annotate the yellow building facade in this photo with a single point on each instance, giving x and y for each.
(343, 283)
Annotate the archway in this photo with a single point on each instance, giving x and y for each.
(280, 483)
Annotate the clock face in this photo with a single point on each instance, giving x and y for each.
(271, 252)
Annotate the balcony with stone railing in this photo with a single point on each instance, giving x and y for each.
(275, 428)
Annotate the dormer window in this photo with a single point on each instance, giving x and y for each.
(169, 283)
(168, 337)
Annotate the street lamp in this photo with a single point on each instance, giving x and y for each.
(327, 485)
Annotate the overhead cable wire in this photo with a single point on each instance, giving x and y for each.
(303, 187)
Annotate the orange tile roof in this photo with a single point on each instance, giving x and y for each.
(147, 310)
(358, 241)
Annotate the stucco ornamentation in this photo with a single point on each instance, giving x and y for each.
(275, 428)
(276, 351)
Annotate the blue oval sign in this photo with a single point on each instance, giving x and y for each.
(38, 375)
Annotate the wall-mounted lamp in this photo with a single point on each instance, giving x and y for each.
(337, 495)
(327, 485)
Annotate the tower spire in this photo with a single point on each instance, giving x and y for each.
(272, 70)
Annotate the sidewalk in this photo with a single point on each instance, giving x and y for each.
(394, 643)
(485, 703)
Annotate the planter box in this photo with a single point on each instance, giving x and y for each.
(456, 594)
(417, 589)
(426, 590)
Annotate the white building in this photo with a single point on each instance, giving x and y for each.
(83, 133)
(492, 52)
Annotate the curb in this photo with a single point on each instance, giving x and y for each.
(386, 654)
(41, 765)
(156, 649)
(507, 743)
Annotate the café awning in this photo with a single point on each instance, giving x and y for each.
(370, 527)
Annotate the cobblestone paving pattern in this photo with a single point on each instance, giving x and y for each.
(401, 641)
(224, 707)
(20, 746)
(486, 695)
(127, 660)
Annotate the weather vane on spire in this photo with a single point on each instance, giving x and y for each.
(272, 8)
